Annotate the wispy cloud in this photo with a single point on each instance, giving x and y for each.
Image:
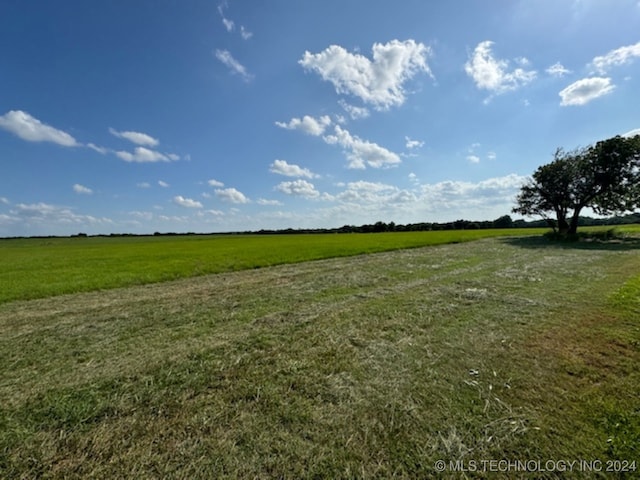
(378, 82)
(136, 137)
(233, 65)
(31, 129)
(619, 56)
(354, 112)
(411, 144)
(230, 25)
(557, 70)
(145, 155)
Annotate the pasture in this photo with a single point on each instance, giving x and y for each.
(41, 267)
(362, 366)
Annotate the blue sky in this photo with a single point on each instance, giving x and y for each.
(204, 116)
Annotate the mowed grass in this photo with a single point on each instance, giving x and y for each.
(371, 366)
(43, 267)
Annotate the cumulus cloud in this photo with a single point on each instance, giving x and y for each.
(215, 183)
(460, 195)
(31, 129)
(307, 124)
(81, 189)
(145, 155)
(281, 167)
(557, 70)
(136, 137)
(361, 152)
(143, 185)
(186, 202)
(617, 57)
(163, 184)
(298, 188)
(231, 195)
(378, 82)
(233, 65)
(585, 90)
(473, 158)
(493, 74)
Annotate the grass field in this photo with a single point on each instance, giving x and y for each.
(43, 267)
(370, 366)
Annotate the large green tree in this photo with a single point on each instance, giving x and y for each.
(604, 177)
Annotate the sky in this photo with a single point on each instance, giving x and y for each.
(143, 116)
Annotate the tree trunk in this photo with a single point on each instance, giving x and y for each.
(563, 226)
(573, 228)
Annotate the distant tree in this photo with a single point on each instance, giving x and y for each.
(604, 177)
(504, 221)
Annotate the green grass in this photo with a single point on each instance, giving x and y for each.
(36, 268)
(371, 366)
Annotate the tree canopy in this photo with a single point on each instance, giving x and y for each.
(604, 177)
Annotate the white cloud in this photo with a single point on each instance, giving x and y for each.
(464, 196)
(49, 216)
(144, 155)
(228, 24)
(264, 201)
(374, 195)
(31, 129)
(143, 185)
(632, 133)
(585, 90)
(619, 56)
(411, 144)
(378, 82)
(4, 200)
(307, 124)
(354, 112)
(186, 202)
(244, 33)
(493, 74)
(557, 70)
(281, 167)
(299, 188)
(163, 184)
(136, 137)
(361, 152)
(231, 195)
(215, 183)
(473, 158)
(81, 189)
(100, 150)
(232, 64)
